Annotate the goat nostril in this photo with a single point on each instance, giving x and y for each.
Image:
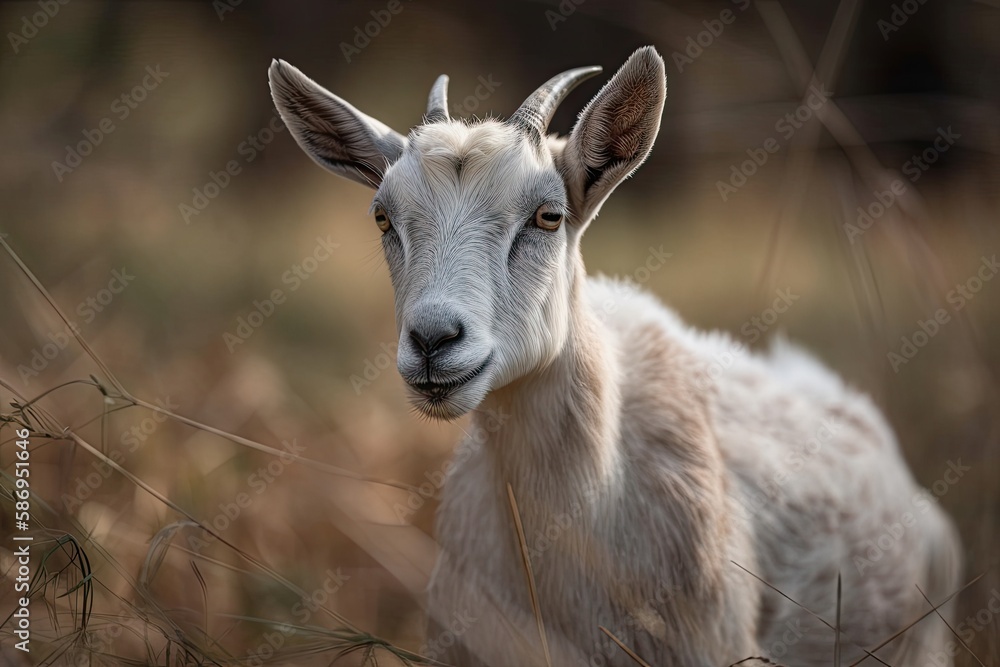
(429, 342)
(417, 340)
(452, 334)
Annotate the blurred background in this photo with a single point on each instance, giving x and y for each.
(842, 157)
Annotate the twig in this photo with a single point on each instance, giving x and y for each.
(629, 652)
(526, 561)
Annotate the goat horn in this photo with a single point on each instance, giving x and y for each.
(537, 111)
(437, 103)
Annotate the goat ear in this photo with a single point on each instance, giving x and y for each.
(331, 131)
(614, 132)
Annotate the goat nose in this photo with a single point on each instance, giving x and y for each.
(433, 337)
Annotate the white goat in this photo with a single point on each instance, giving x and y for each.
(647, 459)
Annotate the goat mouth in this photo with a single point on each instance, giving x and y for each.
(441, 390)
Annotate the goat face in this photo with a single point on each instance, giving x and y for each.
(480, 284)
(481, 221)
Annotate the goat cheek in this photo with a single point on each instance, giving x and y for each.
(393, 251)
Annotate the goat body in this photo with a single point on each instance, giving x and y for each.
(661, 474)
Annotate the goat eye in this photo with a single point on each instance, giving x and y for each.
(382, 219)
(547, 217)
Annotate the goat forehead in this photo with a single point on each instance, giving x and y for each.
(469, 170)
(490, 154)
(459, 140)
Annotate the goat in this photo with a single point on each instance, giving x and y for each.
(655, 467)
